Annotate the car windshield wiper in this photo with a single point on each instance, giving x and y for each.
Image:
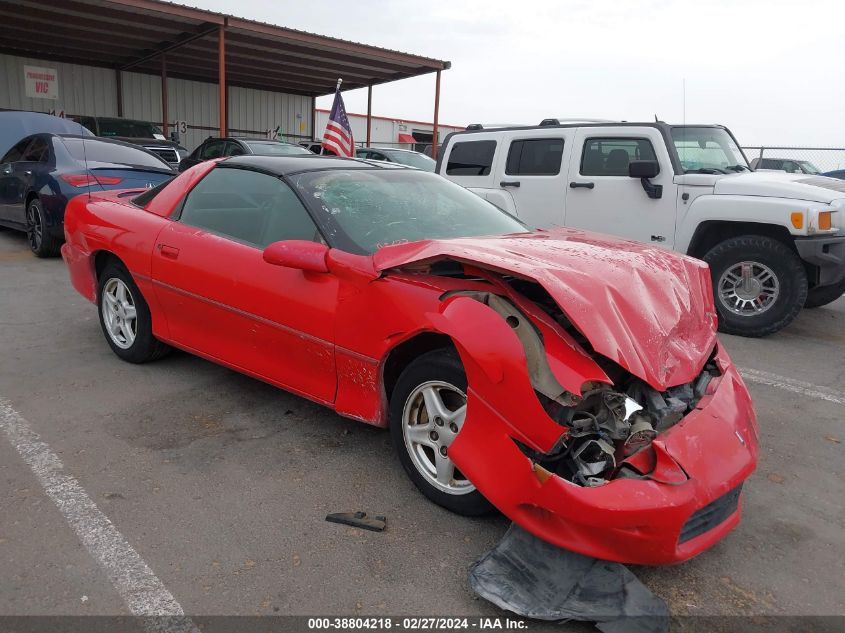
(706, 170)
(738, 168)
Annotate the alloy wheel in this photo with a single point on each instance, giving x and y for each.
(34, 226)
(431, 419)
(119, 313)
(748, 288)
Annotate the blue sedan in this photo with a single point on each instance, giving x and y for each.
(41, 172)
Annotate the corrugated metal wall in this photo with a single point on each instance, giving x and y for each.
(256, 111)
(195, 102)
(93, 91)
(141, 97)
(82, 89)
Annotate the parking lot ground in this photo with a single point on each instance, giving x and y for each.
(221, 483)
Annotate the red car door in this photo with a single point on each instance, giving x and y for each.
(223, 301)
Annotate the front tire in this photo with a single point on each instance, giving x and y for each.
(427, 409)
(818, 297)
(41, 243)
(759, 284)
(125, 317)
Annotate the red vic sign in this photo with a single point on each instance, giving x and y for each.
(41, 83)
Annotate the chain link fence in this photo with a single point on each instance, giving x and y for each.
(806, 160)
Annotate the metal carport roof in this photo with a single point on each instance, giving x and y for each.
(132, 34)
(168, 39)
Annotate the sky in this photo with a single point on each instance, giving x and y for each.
(771, 70)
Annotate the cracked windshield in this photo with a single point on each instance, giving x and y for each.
(363, 210)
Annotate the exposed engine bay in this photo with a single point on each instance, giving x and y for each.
(607, 426)
(602, 414)
(606, 423)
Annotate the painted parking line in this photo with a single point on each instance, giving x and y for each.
(143, 593)
(795, 386)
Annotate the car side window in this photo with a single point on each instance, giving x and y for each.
(611, 156)
(248, 206)
(471, 158)
(234, 149)
(37, 152)
(378, 156)
(17, 152)
(212, 149)
(535, 157)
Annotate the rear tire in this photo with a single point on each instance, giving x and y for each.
(759, 284)
(818, 297)
(41, 242)
(125, 317)
(425, 404)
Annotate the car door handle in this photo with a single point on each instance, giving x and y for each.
(28, 172)
(580, 185)
(169, 252)
(509, 183)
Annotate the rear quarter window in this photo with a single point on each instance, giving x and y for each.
(471, 158)
(142, 200)
(535, 157)
(38, 151)
(16, 153)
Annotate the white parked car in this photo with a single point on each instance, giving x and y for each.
(396, 155)
(793, 166)
(775, 242)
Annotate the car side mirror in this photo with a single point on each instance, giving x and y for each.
(6, 169)
(298, 254)
(644, 170)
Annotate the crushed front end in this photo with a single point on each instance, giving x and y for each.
(582, 452)
(667, 491)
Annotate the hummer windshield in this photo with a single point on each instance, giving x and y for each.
(707, 150)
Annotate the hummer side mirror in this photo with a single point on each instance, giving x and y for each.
(644, 170)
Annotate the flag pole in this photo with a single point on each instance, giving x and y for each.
(339, 81)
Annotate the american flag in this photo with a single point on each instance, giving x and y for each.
(338, 134)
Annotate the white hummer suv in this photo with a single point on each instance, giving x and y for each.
(775, 242)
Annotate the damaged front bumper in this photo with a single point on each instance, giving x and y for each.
(553, 360)
(626, 520)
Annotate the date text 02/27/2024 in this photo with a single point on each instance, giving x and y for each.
(416, 624)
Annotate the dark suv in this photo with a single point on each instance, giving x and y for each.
(143, 133)
(215, 147)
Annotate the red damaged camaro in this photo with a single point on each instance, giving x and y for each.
(573, 381)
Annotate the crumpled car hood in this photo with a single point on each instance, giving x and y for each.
(647, 309)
